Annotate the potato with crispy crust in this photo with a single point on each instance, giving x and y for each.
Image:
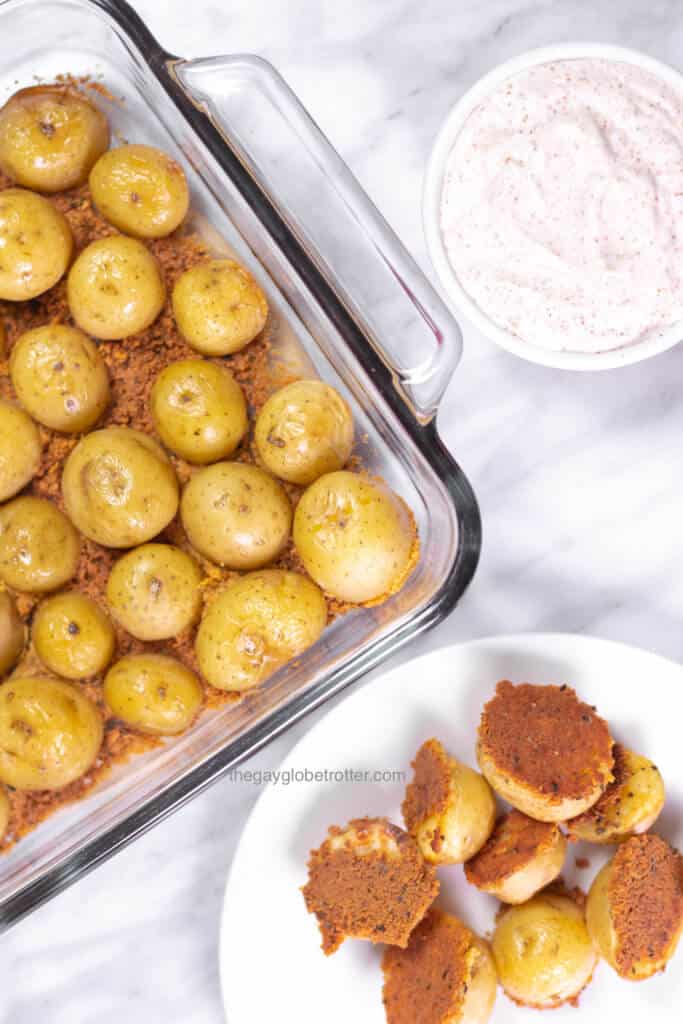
(255, 625)
(36, 245)
(544, 751)
(20, 449)
(140, 190)
(446, 975)
(60, 377)
(72, 636)
(519, 859)
(449, 809)
(629, 806)
(543, 952)
(39, 548)
(219, 308)
(119, 487)
(115, 288)
(50, 137)
(50, 733)
(635, 907)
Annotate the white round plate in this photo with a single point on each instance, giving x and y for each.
(271, 965)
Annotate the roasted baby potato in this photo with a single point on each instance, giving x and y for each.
(20, 450)
(60, 377)
(72, 636)
(140, 190)
(256, 624)
(368, 881)
(543, 952)
(50, 733)
(544, 751)
(36, 245)
(519, 859)
(199, 410)
(154, 591)
(153, 694)
(12, 633)
(50, 137)
(236, 515)
(448, 808)
(219, 308)
(304, 430)
(119, 487)
(635, 907)
(630, 805)
(115, 288)
(445, 976)
(355, 537)
(39, 548)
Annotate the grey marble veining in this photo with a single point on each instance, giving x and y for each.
(579, 477)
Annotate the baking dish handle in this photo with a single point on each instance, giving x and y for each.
(340, 229)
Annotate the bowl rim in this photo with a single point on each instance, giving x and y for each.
(455, 294)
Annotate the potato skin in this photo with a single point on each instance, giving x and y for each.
(154, 591)
(12, 633)
(72, 636)
(355, 537)
(119, 487)
(543, 952)
(255, 625)
(36, 245)
(153, 694)
(20, 450)
(50, 137)
(115, 288)
(236, 515)
(199, 410)
(50, 733)
(60, 377)
(629, 806)
(140, 190)
(39, 548)
(303, 431)
(219, 308)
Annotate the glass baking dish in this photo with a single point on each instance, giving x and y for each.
(349, 304)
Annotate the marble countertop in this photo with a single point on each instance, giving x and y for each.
(577, 475)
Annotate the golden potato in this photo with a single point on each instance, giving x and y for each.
(630, 805)
(12, 633)
(236, 515)
(219, 308)
(199, 410)
(50, 137)
(355, 537)
(5, 812)
(140, 190)
(255, 625)
(448, 808)
(119, 487)
(72, 635)
(153, 694)
(154, 591)
(543, 952)
(115, 288)
(60, 377)
(304, 430)
(521, 857)
(39, 548)
(20, 450)
(445, 974)
(50, 733)
(36, 245)
(634, 910)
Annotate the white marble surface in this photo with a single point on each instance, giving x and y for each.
(580, 478)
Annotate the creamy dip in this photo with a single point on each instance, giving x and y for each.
(562, 205)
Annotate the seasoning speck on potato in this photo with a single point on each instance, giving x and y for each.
(219, 307)
(140, 190)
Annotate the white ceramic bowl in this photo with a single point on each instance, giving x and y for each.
(458, 298)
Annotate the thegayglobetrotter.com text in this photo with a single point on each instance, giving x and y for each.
(307, 776)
